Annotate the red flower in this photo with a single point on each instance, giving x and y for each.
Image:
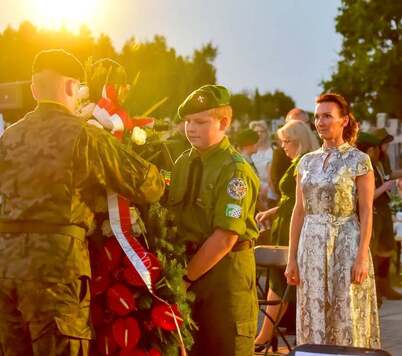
(97, 314)
(126, 332)
(110, 255)
(154, 352)
(105, 342)
(120, 299)
(150, 261)
(136, 352)
(118, 275)
(162, 316)
(99, 284)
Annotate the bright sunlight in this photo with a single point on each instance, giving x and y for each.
(68, 13)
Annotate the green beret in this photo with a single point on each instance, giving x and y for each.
(246, 137)
(366, 140)
(205, 98)
(59, 61)
(383, 135)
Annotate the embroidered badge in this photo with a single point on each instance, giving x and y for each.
(200, 99)
(233, 211)
(167, 177)
(237, 188)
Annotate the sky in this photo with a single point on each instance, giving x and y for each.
(289, 45)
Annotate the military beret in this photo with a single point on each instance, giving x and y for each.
(246, 137)
(205, 98)
(366, 140)
(383, 135)
(59, 61)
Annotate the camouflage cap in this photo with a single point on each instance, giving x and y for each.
(59, 61)
(383, 135)
(246, 137)
(366, 140)
(205, 98)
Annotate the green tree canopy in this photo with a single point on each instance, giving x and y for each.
(159, 72)
(270, 105)
(369, 72)
(162, 72)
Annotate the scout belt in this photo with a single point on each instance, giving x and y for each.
(42, 228)
(192, 247)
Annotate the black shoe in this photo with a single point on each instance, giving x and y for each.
(260, 347)
(273, 343)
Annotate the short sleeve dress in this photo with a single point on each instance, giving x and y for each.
(280, 226)
(330, 308)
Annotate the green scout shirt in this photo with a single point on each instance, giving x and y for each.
(52, 166)
(215, 189)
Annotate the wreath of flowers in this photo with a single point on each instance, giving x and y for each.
(129, 316)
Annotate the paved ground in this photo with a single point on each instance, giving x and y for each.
(391, 328)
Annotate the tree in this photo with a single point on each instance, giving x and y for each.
(162, 73)
(242, 105)
(275, 105)
(369, 72)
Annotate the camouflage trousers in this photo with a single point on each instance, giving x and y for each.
(40, 318)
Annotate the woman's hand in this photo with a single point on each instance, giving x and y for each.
(262, 216)
(388, 185)
(292, 273)
(360, 270)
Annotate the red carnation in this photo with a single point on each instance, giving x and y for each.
(150, 261)
(126, 332)
(105, 342)
(110, 255)
(162, 316)
(120, 299)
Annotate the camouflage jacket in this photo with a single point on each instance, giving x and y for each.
(52, 166)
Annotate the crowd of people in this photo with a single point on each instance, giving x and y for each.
(318, 186)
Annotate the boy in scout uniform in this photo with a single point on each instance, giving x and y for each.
(52, 164)
(213, 196)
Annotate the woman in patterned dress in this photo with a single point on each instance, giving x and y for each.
(329, 258)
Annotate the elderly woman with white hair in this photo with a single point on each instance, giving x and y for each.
(262, 160)
(296, 138)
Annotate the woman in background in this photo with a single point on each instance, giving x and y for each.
(262, 160)
(296, 139)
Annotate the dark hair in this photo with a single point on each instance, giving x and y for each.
(351, 130)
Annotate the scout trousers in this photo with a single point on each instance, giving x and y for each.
(40, 318)
(226, 307)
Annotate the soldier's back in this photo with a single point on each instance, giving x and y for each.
(36, 171)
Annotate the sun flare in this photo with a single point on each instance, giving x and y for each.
(68, 13)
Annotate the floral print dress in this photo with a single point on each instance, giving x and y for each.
(330, 308)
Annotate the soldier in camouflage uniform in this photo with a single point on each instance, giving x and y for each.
(51, 165)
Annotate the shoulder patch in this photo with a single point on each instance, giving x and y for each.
(233, 211)
(237, 188)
